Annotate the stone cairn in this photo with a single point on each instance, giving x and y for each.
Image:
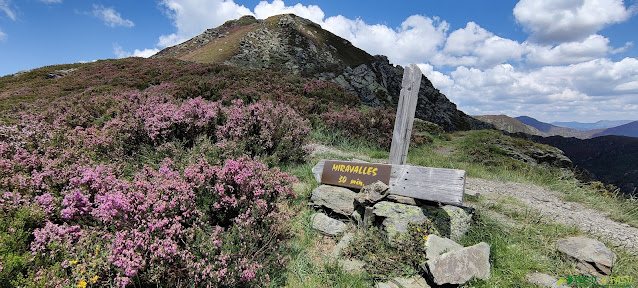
(448, 263)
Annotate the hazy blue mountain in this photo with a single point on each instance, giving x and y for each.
(552, 130)
(629, 129)
(602, 124)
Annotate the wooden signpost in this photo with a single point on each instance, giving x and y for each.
(425, 183)
(405, 114)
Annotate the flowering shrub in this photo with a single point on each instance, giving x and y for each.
(265, 129)
(374, 125)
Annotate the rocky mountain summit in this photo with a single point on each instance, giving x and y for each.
(299, 46)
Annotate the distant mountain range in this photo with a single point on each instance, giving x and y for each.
(607, 154)
(602, 124)
(531, 126)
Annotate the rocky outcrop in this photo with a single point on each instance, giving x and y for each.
(299, 46)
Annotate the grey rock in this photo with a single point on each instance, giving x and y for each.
(373, 193)
(458, 267)
(543, 280)
(593, 256)
(397, 217)
(339, 200)
(322, 223)
(352, 265)
(398, 282)
(436, 246)
(401, 199)
(388, 284)
(343, 244)
(460, 221)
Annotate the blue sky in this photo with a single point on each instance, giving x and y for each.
(555, 60)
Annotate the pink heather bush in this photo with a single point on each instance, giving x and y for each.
(88, 195)
(373, 125)
(265, 129)
(151, 230)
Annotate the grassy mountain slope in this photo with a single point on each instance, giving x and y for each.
(298, 46)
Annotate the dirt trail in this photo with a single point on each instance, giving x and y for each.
(552, 208)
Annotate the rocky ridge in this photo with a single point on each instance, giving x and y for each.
(299, 46)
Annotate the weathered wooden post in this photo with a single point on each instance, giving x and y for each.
(405, 114)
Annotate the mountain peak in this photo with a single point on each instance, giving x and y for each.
(296, 45)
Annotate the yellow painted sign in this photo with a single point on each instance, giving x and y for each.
(354, 174)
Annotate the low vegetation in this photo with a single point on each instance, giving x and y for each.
(165, 173)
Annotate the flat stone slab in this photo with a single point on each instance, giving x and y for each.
(436, 246)
(412, 282)
(338, 199)
(398, 216)
(593, 256)
(458, 267)
(324, 224)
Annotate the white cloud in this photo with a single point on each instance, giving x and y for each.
(3, 36)
(595, 46)
(416, 39)
(192, 17)
(463, 41)
(121, 53)
(475, 46)
(111, 17)
(569, 90)
(5, 6)
(51, 1)
(311, 12)
(438, 79)
(552, 21)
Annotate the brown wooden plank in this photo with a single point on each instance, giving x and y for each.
(405, 114)
(354, 174)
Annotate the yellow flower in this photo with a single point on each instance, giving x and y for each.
(426, 237)
(94, 279)
(73, 262)
(82, 284)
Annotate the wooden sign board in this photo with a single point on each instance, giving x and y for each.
(441, 185)
(354, 174)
